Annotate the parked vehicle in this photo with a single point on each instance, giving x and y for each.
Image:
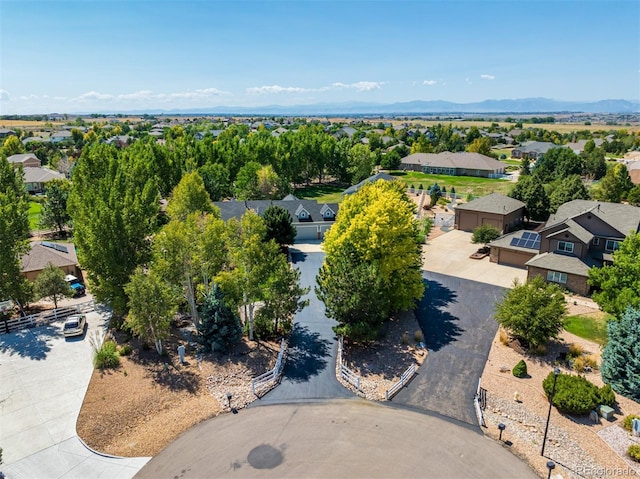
(74, 325)
(76, 286)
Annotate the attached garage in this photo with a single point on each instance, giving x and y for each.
(306, 232)
(505, 250)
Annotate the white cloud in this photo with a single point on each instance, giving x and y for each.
(148, 95)
(429, 82)
(4, 95)
(487, 77)
(259, 90)
(359, 86)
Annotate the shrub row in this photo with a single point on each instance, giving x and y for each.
(577, 395)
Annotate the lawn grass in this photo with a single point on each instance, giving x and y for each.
(590, 326)
(463, 184)
(35, 209)
(322, 193)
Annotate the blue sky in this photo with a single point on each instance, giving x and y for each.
(116, 55)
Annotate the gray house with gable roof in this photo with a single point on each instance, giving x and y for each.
(311, 219)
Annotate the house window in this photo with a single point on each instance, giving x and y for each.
(596, 241)
(557, 277)
(612, 245)
(565, 246)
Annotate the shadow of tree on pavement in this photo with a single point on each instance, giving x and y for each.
(438, 325)
(308, 354)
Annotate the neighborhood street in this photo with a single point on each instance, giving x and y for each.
(456, 316)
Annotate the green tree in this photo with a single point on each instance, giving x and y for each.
(279, 225)
(617, 285)
(216, 181)
(189, 254)
(361, 162)
(189, 196)
(152, 305)
(485, 234)
(615, 185)
(354, 294)
(54, 209)
(481, 145)
(621, 356)
(220, 326)
(114, 205)
(566, 189)
(51, 284)
(533, 312)
(269, 185)
(530, 191)
(12, 146)
(595, 165)
(633, 197)
(246, 184)
(282, 296)
(376, 226)
(249, 264)
(14, 234)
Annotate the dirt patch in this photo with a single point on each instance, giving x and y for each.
(380, 365)
(149, 400)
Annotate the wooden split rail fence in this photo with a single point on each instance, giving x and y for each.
(16, 324)
(265, 381)
(345, 373)
(404, 379)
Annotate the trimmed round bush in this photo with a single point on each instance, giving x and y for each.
(520, 369)
(576, 395)
(634, 452)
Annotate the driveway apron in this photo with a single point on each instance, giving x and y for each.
(310, 369)
(456, 316)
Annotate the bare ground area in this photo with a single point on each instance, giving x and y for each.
(380, 365)
(149, 400)
(578, 446)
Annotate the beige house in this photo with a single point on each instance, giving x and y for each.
(62, 255)
(454, 164)
(497, 210)
(27, 160)
(35, 179)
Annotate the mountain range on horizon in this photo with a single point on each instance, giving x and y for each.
(505, 106)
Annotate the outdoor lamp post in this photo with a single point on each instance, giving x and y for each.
(556, 372)
(501, 427)
(551, 466)
(229, 399)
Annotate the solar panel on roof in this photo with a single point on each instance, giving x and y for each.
(55, 246)
(529, 240)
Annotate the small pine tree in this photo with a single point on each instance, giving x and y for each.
(219, 326)
(452, 192)
(620, 358)
(520, 369)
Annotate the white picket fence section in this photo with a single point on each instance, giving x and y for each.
(476, 406)
(33, 320)
(404, 379)
(272, 376)
(346, 373)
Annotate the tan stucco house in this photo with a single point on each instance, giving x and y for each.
(62, 255)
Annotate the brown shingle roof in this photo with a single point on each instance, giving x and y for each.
(39, 256)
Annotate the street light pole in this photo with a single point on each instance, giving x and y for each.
(556, 372)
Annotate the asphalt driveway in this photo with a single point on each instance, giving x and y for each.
(456, 316)
(310, 368)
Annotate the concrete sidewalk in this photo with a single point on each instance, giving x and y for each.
(43, 380)
(449, 254)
